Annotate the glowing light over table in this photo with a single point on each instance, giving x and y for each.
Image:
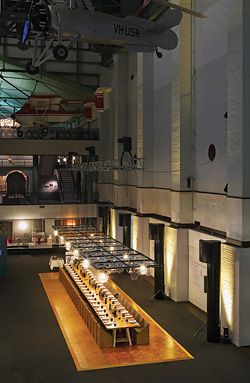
(23, 225)
(86, 263)
(102, 277)
(143, 270)
(68, 246)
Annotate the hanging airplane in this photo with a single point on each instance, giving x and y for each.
(59, 26)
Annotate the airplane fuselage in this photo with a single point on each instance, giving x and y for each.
(123, 30)
(131, 32)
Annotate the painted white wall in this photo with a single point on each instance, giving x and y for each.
(211, 210)
(48, 226)
(244, 301)
(211, 95)
(48, 211)
(161, 128)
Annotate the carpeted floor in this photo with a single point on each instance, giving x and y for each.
(33, 350)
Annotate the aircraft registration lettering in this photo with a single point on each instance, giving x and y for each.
(127, 31)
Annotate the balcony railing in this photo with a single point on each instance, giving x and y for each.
(12, 163)
(47, 198)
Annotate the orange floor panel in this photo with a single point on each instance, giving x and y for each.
(86, 353)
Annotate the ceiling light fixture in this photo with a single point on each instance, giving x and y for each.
(75, 252)
(143, 270)
(85, 263)
(102, 277)
(68, 246)
(23, 225)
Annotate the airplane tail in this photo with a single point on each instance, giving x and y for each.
(169, 19)
(167, 40)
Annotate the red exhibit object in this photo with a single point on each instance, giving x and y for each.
(90, 111)
(102, 99)
(42, 110)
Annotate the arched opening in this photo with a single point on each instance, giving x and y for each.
(16, 184)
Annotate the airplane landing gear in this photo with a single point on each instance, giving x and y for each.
(31, 69)
(23, 46)
(158, 53)
(60, 52)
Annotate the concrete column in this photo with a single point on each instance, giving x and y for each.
(143, 242)
(235, 287)
(176, 263)
(35, 180)
(182, 161)
(238, 137)
(145, 123)
(120, 106)
(242, 291)
(148, 117)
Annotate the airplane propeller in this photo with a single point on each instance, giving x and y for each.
(182, 9)
(26, 29)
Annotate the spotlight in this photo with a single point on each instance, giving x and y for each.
(64, 159)
(56, 233)
(125, 256)
(86, 263)
(143, 270)
(23, 225)
(68, 246)
(58, 160)
(111, 248)
(75, 252)
(103, 277)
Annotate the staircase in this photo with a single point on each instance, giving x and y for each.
(67, 184)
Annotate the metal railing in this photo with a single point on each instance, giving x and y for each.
(12, 163)
(37, 198)
(107, 165)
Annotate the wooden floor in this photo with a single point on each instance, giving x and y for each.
(86, 353)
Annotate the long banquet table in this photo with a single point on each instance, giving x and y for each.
(107, 318)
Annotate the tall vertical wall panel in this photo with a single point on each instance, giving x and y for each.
(210, 48)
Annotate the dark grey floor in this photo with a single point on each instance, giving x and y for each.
(32, 348)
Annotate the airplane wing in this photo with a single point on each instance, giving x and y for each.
(167, 20)
(170, 4)
(155, 17)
